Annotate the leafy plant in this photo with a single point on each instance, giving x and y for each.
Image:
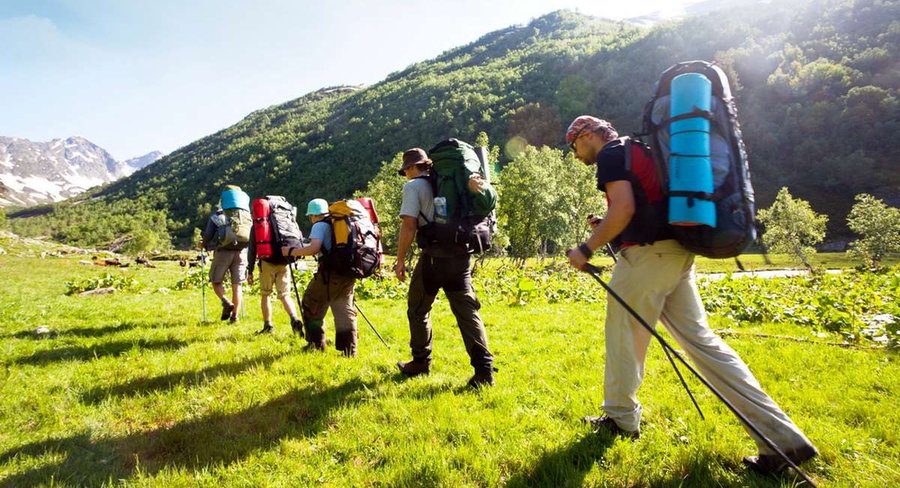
(108, 280)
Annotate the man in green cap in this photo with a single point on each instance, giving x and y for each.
(326, 289)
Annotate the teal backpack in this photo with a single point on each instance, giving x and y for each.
(462, 219)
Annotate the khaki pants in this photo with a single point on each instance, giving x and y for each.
(274, 276)
(329, 290)
(451, 274)
(658, 282)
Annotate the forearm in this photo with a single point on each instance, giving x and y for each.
(407, 234)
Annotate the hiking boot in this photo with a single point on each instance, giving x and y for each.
(414, 367)
(297, 326)
(267, 329)
(346, 343)
(479, 380)
(314, 346)
(772, 464)
(227, 308)
(607, 424)
(234, 317)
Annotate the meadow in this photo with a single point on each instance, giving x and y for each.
(134, 389)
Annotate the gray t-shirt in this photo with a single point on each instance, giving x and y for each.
(418, 197)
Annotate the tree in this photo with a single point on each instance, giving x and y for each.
(792, 227)
(386, 190)
(878, 226)
(545, 198)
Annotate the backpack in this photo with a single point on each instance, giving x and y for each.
(732, 198)
(355, 241)
(274, 226)
(232, 229)
(462, 219)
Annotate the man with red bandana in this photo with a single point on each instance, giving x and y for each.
(654, 274)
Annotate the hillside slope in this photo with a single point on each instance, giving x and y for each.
(817, 84)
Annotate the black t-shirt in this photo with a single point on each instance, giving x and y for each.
(611, 164)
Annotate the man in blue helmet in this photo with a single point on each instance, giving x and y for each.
(327, 289)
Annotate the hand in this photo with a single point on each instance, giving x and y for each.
(476, 183)
(576, 259)
(250, 278)
(400, 269)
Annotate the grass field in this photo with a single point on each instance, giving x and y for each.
(132, 389)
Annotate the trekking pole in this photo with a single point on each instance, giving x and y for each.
(296, 293)
(203, 281)
(370, 323)
(595, 273)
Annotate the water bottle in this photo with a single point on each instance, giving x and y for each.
(440, 210)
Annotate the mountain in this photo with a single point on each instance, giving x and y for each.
(817, 85)
(42, 172)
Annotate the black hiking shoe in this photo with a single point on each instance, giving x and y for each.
(297, 326)
(480, 380)
(227, 308)
(267, 329)
(414, 367)
(314, 346)
(607, 424)
(773, 464)
(234, 317)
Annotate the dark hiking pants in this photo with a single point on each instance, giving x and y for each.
(451, 274)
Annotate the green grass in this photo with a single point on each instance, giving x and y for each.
(134, 390)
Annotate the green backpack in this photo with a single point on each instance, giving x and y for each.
(233, 232)
(461, 218)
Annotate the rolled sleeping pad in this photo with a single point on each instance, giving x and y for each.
(369, 205)
(262, 228)
(689, 163)
(235, 199)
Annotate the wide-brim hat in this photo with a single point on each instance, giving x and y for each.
(412, 157)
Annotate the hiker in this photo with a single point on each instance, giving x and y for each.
(227, 234)
(655, 275)
(440, 266)
(327, 289)
(274, 272)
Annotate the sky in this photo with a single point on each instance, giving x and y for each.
(134, 76)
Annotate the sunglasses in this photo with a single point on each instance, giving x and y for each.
(575, 139)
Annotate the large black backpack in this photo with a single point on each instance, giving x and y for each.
(733, 193)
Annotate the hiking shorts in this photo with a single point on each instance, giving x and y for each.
(275, 276)
(225, 260)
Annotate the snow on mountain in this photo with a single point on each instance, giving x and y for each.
(43, 172)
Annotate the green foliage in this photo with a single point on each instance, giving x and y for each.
(146, 240)
(878, 226)
(857, 305)
(544, 200)
(108, 280)
(386, 189)
(792, 226)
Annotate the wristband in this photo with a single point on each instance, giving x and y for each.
(583, 247)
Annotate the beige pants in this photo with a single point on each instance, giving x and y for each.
(274, 276)
(658, 282)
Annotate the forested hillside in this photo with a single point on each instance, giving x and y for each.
(817, 85)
